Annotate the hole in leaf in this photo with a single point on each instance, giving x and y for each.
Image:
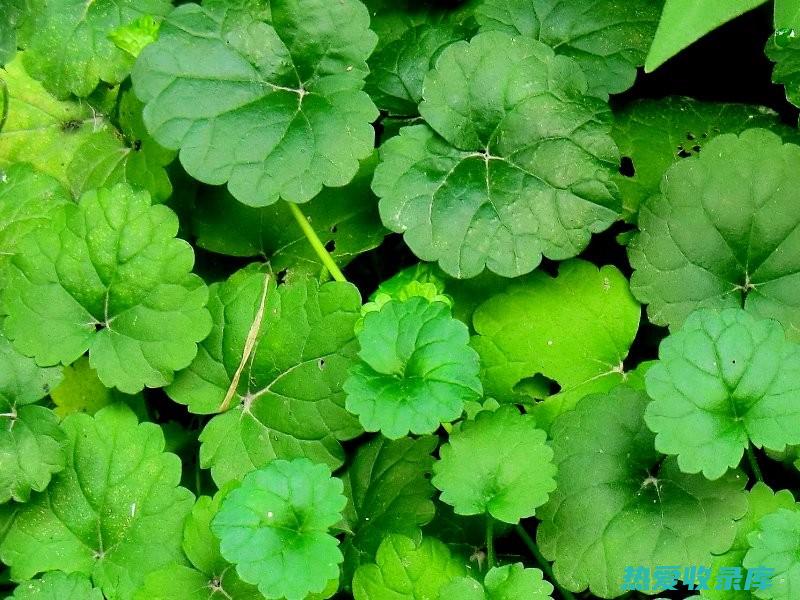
(321, 363)
(330, 246)
(696, 147)
(690, 136)
(537, 386)
(683, 153)
(626, 168)
(334, 228)
(281, 276)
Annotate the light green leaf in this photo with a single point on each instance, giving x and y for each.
(275, 528)
(57, 585)
(787, 14)
(115, 512)
(422, 279)
(522, 168)
(507, 480)
(210, 577)
(783, 49)
(776, 545)
(416, 369)
(70, 52)
(346, 220)
(28, 200)
(134, 36)
(406, 570)
(74, 142)
(575, 328)
(608, 38)
(724, 380)
(284, 389)
(82, 391)
(14, 11)
(265, 98)
(723, 233)
(390, 492)
(620, 503)
(761, 500)
(655, 134)
(31, 441)
(685, 21)
(108, 276)
(509, 582)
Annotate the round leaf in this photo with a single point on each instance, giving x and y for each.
(275, 528)
(515, 161)
(724, 232)
(776, 545)
(108, 276)
(57, 585)
(507, 480)
(725, 379)
(620, 503)
(265, 98)
(509, 582)
(416, 369)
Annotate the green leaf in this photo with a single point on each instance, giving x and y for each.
(31, 441)
(398, 69)
(787, 14)
(783, 49)
(285, 389)
(421, 280)
(776, 545)
(28, 200)
(685, 21)
(608, 38)
(70, 52)
(13, 13)
(522, 168)
(265, 98)
(723, 233)
(108, 276)
(575, 328)
(761, 500)
(82, 391)
(346, 220)
(134, 36)
(620, 503)
(57, 585)
(407, 570)
(416, 369)
(655, 134)
(115, 512)
(509, 582)
(724, 380)
(390, 492)
(210, 577)
(74, 141)
(275, 528)
(507, 480)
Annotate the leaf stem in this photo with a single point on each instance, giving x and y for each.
(751, 456)
(490, 559)
(316, 243)
(542, 561)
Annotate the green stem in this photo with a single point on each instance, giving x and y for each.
(542, 561)
(751, 456)
(316, 243)
(490, 560)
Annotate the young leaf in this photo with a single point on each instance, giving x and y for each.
(655, 134)
(81, 390)
(115, 512)
(522, 168)
(724, 380)
(264, 97)
(508, 480)
(509, 582)
(416, 369)
(608, 39)
(346, 220)
(75, 142)
(406, 570)
(108, 276)
(284, 386)
(57, 585)
(71, 52)
(723, 233)
(761, 500)
(685, 21)
(275, 528)
(31, 441)
(390, 492)
(575, 328)
(620, 503)
(210, 577)
(783, 48)
(776, 545)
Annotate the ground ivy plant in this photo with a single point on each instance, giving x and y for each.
(399, 300)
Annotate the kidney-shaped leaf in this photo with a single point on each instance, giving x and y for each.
(776, 545)
(58, 585)
(509, 582)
